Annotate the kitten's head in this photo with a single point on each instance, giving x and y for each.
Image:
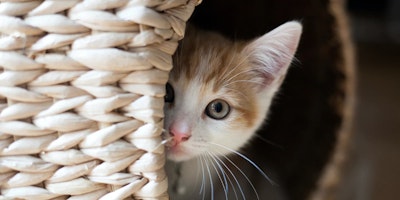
(219, 91)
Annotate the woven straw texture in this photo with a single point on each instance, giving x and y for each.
(81, 96)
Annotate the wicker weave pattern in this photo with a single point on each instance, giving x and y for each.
(81, 96)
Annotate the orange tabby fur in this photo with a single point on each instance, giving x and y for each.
(220, 66)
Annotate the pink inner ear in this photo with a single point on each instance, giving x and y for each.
(266, 76)
(271, 64)
(273, 52)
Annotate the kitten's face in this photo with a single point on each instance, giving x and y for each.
(219, 92)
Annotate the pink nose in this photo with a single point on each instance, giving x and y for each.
(178, 135)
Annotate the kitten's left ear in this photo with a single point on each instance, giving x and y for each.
(272, 53)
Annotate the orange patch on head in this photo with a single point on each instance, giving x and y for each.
(218, 63)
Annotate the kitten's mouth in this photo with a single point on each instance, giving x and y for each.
(176, 152)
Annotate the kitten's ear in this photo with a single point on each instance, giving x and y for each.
(272, 53)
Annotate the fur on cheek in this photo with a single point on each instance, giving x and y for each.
(232, 132)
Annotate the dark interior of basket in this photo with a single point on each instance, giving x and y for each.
(303, 126)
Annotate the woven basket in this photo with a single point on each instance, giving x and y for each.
(81, 96)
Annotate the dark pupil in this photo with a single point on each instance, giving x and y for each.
(169, 96)
(217, 107)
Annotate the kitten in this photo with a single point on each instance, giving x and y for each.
(219, 93)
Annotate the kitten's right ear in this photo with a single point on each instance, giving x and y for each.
(272, 53)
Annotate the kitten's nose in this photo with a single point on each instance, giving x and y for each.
(180, 137)
(180, 133)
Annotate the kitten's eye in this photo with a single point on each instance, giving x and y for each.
(169, 96)
(218, 109)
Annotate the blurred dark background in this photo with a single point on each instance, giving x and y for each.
(373, 172)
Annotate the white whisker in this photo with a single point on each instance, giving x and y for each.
(210, 178)
(236, 66)
(238, 74)
(245, 81)
(233, 176)
(231, 60)
(202, 187)
(248, 160)
(223, 181)
(269, 142)
(244, 175)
